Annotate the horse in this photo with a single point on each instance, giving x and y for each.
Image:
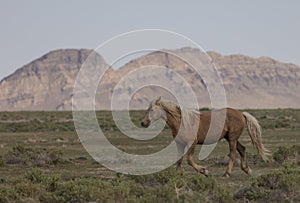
(234, 124)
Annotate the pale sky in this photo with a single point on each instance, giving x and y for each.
(256, 28)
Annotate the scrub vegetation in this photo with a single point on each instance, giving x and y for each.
(42, 160)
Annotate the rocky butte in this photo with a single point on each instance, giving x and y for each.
(47, 82)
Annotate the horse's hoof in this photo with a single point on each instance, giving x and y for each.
(247, 171)
(226, 175)
(204, 172)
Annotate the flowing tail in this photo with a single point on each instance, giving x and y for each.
(254, 131)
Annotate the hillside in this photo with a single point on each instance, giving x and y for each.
(47, 83)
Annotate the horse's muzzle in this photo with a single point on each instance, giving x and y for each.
(145, 125)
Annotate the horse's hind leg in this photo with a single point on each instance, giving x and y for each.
(232, 155)
(242, 151)
(192, 163)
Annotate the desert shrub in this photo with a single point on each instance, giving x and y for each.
(28, 190)
(4, 117)
(199, 182)
(277, 118)
(283, 123)
(35, 186)
(2, 162)
(178, 186)
(20, 192)
(74, 191)
(283, 185)
(28, 156)
(207, 189)
(168, 186)
(48, 181)
(160, 178)
(284, 154)
(91, 189)
(36, 125)
(253, 158)
(7, 193)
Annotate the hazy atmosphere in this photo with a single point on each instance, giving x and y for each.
(30, 29)
(180, 101)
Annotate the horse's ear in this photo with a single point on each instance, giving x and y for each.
(158, 100)
(178, 108)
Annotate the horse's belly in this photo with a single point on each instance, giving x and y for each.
(211, 138)
(207, 142)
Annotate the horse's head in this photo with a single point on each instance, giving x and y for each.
(154, 112)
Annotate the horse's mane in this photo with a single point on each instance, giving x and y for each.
(173, 109)
(187, 115)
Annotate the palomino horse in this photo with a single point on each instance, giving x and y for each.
(234, 123)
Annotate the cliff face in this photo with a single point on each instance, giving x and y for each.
(44, 84)
(259, 83)
(249, 82)
(47, 83)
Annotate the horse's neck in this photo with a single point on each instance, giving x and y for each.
(173, 122)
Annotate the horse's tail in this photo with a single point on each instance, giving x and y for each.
(254, 131)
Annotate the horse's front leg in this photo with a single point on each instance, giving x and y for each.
(180, 153)
(192, 163)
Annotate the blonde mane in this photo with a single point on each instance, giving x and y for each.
(173, 109)
(187, 116)
(188, 121)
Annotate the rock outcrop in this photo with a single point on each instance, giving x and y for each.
(47, 83)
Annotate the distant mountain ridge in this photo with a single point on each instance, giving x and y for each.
(47, 82)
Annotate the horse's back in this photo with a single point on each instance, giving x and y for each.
(230, 115)
(235, 119)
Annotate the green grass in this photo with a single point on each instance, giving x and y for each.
(33, 137)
